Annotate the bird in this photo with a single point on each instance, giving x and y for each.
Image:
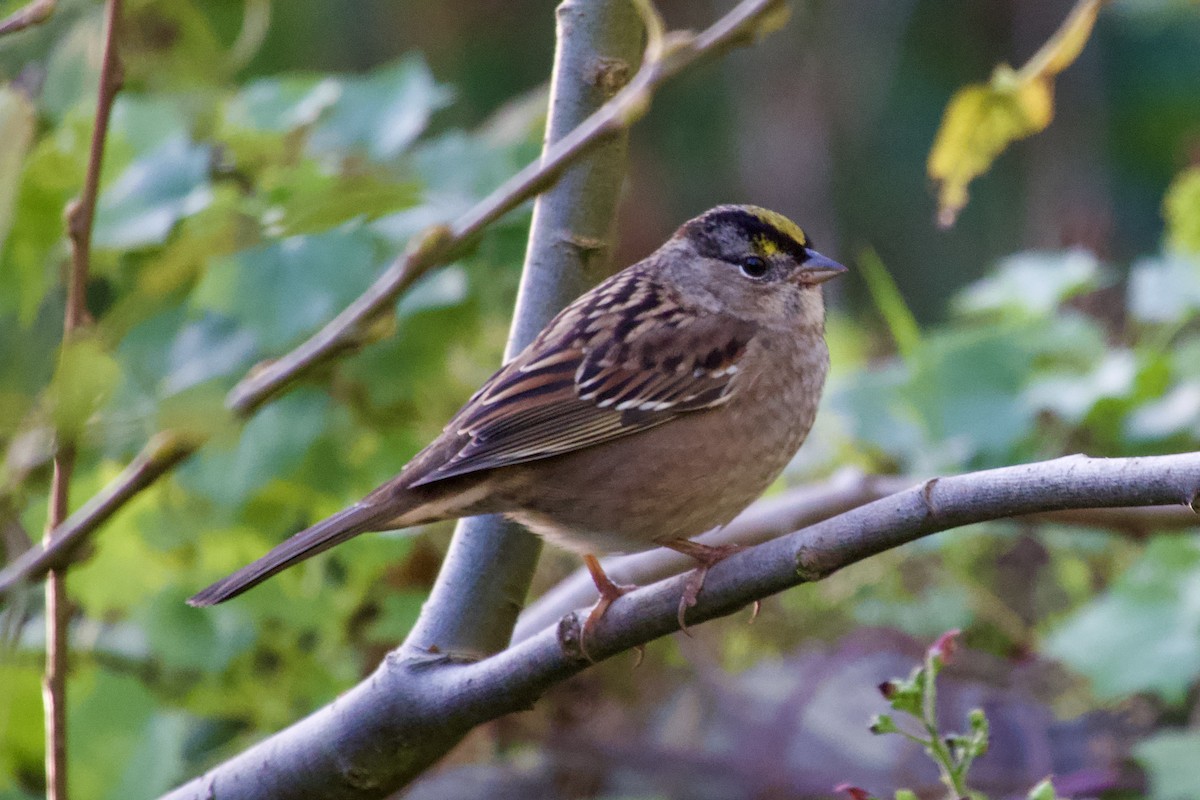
(653, 408)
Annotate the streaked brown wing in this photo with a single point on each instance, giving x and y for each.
(617, 361)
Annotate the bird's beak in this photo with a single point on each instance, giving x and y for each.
(818, 269)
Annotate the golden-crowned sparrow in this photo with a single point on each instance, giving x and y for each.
(655, 407)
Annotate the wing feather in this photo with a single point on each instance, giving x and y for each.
(597, 373)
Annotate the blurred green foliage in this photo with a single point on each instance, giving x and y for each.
(241, 210)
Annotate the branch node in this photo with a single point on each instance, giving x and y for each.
(927, 497)
(608, 75)
(358, 778)
(429, 244)
(806, 566)
(570, 637)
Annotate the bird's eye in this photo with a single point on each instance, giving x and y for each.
(753, 267)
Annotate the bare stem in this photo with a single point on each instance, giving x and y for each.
(80, 214)
(58, 617)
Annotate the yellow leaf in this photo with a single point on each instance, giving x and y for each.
(982, 120)
(978, 124)
(774, 19)
(1181, 207)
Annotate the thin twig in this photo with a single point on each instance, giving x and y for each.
(440, 244)
(160, 455)
(381, 733)
(79, 217)
(27, 16)
(82, 211)
(256, 21)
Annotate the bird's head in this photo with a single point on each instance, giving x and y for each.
(754, 263)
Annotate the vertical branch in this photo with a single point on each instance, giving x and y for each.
(82, 211)
(58, 615)
(485, 576)
(80, 214)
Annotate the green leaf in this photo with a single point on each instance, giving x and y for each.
(1073, 397)
(169, 45)
(936, 609)
(1181, 207)
(1176, 412)
(1044, 790)
(1165, 289)
(210, 347)
(281, 105)
(51, 175)
(398, 612)
(382, 113)
(442, 288)
(145, 122)
(883, 723)
(85, 378)
(311, 199)
(907, 695)
(73, 70)
(285, 289)
(966, 385)
(167, 353)
(272, 444)
(896, 313)
(114, 710)
(1031, 284)
(16, 135)
(877, 413)
(1169, 758)
(142, 205)
(1143, 635)
(21, 742)
(156, 761)
(189, 638)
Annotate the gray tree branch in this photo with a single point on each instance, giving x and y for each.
(485, 576)
(376, 737)
(800, 507)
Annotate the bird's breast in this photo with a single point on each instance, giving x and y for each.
(686, 476)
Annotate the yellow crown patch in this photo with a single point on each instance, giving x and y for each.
(780, 223)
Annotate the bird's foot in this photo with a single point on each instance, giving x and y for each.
(609, 592)
(708, 555)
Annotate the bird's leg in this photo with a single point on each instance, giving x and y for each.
(608, 591)
(707, 555)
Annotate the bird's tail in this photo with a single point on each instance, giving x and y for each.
(334, 530)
